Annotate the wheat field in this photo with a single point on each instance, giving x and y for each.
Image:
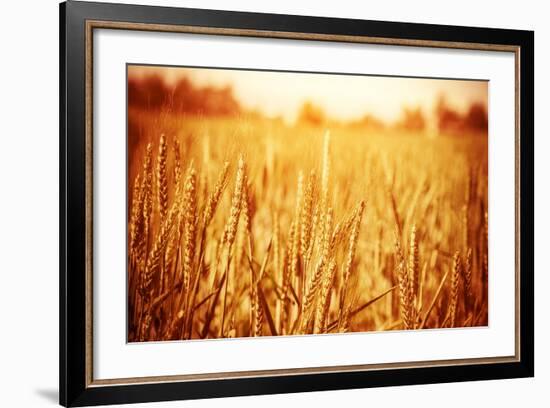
(244, 227)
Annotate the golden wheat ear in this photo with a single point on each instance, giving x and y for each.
(455, 277)
(306, 218)
(236, 205)
(215, 196)
(405, 298)
(353, 238)
(162, 178)
(190, 215)
(230, 231)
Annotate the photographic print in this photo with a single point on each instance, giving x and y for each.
(269, 203)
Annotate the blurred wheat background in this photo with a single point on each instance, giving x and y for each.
(246, 223)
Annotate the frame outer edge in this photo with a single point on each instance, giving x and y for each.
(62, 207)
(526, 193)
(73, 235)
(244, 20)
(73, 389)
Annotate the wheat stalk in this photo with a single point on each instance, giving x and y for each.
(286, 279)
(214, 197)
(310, 294)
(413, 267)
(256, 313)
(231, 228)
(354, 236)
(177, 163)
(156, 254)
(136, 218)
(405, 299)
(147, 195)
(455, 277)
(468, 280)
(306, 218)
(326, 295)
(190, 208)
(162, 179)
(296, 239)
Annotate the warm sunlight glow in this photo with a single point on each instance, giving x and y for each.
(343, 97)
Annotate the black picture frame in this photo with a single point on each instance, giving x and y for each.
(75, 386)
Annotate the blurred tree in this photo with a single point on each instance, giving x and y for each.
(368, 121)
(311, 114)
(412, 119)
(149, 92)
(476, 118)
(450, 121)
(153, 93)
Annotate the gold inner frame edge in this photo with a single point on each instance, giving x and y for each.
(100, 24)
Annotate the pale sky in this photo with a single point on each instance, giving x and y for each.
(342, 97)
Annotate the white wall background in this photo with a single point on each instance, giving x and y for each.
(29, 202)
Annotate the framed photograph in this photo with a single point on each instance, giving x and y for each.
(255, 203)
